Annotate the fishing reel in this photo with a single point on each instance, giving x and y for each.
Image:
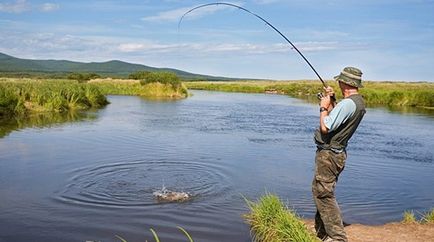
(320, 95)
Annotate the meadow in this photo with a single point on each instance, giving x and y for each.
(420, 94)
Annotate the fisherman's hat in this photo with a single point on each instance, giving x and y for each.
(351, 76)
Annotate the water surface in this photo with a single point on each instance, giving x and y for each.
(93, 179)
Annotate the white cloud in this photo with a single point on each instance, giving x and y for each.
(49, 7)
(176, 14)
(18, 6)
(267, 1)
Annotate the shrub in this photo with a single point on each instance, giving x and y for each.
(82, 77)
(139, 75)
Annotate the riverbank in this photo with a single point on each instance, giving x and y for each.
(21, 96)
(401, 94)
(391, 232)
(271, 220)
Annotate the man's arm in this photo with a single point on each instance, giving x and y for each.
(324, 112)
(331, 120)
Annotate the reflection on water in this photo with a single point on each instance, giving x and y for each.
(93, 180)
(42, 120)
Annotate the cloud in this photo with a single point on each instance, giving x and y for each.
(49, 7)
(225, 48)
(267, 1)
(18, 6)
(176, 14)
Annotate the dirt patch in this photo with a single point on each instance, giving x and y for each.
(393, 232)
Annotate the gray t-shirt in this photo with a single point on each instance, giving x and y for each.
(340, 113)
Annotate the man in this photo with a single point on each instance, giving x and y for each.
(337, 124)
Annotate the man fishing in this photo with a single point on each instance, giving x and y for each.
(338, 122)
(337, 125)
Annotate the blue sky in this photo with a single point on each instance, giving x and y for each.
(387, 39)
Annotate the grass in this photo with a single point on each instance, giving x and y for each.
(19, 96)
(271, 220)
(426, 218)
(135, 87)
(419, 94)
(409, 218)
(157, 239)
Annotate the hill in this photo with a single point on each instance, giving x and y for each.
(10, 65)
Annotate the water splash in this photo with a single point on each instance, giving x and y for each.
(166, 195)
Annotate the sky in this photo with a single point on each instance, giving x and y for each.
(389, 40)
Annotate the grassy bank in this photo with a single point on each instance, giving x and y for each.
(375, 93)
(20, 96)
(136, 88)
(271, 220)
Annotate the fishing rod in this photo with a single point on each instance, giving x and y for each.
(259, 17)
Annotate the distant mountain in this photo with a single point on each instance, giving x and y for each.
(113, 68)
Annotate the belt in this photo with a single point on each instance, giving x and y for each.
(337, 151)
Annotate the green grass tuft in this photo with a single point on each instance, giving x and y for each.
(428, 217)
(408, 217)
(271, 220)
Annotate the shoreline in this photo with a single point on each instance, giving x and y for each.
(391, 95)
(390, 232)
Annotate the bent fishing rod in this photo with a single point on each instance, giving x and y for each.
(262, 19)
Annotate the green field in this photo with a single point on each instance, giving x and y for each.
(420, 94)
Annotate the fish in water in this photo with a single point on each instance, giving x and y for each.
(165, 195)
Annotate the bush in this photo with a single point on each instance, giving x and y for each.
(83, 77)
(139, 75)
(163, 78)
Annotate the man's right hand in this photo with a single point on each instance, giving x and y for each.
(329, 91)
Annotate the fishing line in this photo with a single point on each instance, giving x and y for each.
(262, 19)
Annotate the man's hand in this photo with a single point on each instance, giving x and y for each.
(329, 91)
(325, 102)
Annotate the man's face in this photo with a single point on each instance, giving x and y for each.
(342, 86)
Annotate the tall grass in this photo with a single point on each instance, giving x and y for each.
(133, 87)
(271, 220)
(21, 96)
(375, 93)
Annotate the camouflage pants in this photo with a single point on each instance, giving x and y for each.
(328, 219)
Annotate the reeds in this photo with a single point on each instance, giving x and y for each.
(21, 96)
(136, 88)
(271, 220)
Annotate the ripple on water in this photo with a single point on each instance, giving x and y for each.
(132, 183)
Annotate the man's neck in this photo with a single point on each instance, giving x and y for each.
(350, 92)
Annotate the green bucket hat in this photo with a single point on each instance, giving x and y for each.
(351, 76)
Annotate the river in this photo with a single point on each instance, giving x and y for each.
(92, 177)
